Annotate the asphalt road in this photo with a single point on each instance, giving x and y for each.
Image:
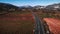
(39, 29)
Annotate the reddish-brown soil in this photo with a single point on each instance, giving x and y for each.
(19, 17)
(16, 24)
(54, 25)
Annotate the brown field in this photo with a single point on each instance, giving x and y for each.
(54, 25)
(16, 24)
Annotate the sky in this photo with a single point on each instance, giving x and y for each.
(30, 2)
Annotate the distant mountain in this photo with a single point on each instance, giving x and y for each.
(5, 8)
(53, 6)
(25, 7)
(39, 7)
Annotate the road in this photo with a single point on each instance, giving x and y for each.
(39, 29)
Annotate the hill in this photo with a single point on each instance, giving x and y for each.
(7, 8)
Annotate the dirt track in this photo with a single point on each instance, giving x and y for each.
(54, 25)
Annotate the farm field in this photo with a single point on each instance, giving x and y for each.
(26, 17)
(16, 24)
(54, 25)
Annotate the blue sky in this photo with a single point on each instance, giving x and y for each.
(30, 2)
